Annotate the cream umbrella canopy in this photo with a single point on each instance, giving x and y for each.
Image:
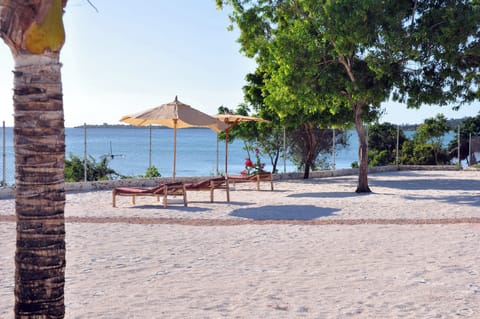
(231, 120)
(175, 115)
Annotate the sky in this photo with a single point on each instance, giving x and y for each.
(134, 55)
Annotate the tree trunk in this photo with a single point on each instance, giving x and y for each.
(39, 142)
(34, 32)
(362, 186)
(306, 172)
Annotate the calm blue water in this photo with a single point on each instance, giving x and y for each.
(196, 151)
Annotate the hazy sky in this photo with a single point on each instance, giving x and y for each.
(134, 55)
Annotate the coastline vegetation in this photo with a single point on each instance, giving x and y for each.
(97, 170)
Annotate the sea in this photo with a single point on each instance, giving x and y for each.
(131, 151)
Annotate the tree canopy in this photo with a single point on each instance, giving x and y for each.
(346, 57)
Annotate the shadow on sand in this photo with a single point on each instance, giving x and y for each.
(284, 212)
(328, 195)
(427, 184)
(177, 207)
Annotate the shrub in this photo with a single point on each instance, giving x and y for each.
(152, 171)
(75, 168)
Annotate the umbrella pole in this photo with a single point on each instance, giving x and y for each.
(150, 148)
(226, 152)
(174, 147)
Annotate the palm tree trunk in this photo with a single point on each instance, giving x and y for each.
(39, 141)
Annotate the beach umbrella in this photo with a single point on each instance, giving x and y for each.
(175, 115)
(231, 120)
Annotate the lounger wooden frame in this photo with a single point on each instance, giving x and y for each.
(210, 185)
(255, 178)
(162, 190)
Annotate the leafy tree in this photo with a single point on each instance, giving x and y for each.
(309, 141)
(306, 139)
(254, 135)
(354, 55)
(469, 126)
(270, 140)
(268, 136)
(432, 132)
(382, 143)
(426, 147)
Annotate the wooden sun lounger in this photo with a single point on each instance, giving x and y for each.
(210, 185)
(255, 178)
(162, 190)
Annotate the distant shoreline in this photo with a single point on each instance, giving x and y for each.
(128, 126)
(405, 127)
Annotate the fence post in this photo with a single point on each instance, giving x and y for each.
(398, 142)
(334, 151)
(4, 156)
(85, 152)
(470, 149)
(458, 148)
(284, 150)
(150, 148)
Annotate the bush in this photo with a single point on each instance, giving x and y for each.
(74, 170)
(380, 158)
(152, 171)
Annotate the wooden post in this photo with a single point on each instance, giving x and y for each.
(334, 153)
(4, 157)
(284, 151)
(458, 148)
(398, 144)
(150, 149)
(85, 152)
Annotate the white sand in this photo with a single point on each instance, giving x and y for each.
(410, 249)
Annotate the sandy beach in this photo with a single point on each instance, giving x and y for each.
(309, 249)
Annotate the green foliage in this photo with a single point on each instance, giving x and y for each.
(308, 142)
(417, 154)
(253, 167)
(433, 129)
(382, 143)
(256, 135)
(342, 59)
(445, 46)
(303, 148)
(426, 146)
(74, 169)
(469, 126)
(431, 133)
(380, 158)
(152, 171)
(268, 136)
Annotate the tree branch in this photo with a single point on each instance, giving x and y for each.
(91, 4)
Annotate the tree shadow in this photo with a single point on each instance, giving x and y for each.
(429, 184)
(284, 212)
(470, 200)
(328, 195)
(322, 180)
(220, 202)
(179, 207)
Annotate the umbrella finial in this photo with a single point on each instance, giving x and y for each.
(176, 99)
